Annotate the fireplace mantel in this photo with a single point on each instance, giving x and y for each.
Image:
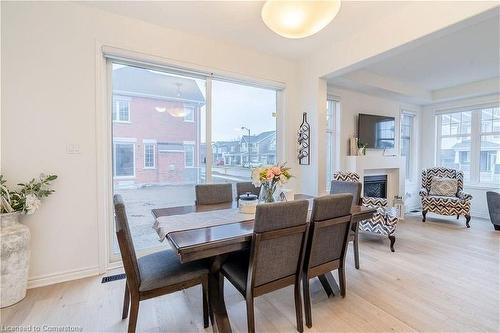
(392, 166)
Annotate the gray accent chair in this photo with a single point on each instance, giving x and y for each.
(328, 238)
(353, 188)
(155, 274)
(493, 199)
(212, 194)
(245, 187)
(276, 256)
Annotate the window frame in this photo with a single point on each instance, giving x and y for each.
(124, 141)
(192, 146)
(147, 142)
(475, 137)
(334, 133)
(116, 110)
(410, 176)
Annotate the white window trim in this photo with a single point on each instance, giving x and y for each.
(149, 142)
(412, 178)
(116, 109)
(123, 141)
(335, 154)
(475, 135)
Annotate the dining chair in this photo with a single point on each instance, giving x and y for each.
(275, 258)
(245, 187)
(353, 187)
(212, 194)
(327, 243)
(155, 274)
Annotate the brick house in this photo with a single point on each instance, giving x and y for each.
(156, 133)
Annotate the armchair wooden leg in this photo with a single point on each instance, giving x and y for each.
(250, 314)
(206, 310)
(307, 301)
(458, 216)
(467, 220)
(392, 238)
(424, 212)
(298, 306)
(497, 227)
(134, 312)
(126, 302)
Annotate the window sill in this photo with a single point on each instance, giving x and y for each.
(481, 186)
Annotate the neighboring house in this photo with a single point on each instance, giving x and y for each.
(260, 149)
(156, 138)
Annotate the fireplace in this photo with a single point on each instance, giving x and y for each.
(375, 186)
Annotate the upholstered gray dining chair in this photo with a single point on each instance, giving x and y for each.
(327, 242)
(276, 256)
(155, 274)
(343, 183)
(212, 194)
(245, 187)
(493, 199)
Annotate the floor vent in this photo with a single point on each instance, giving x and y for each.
(113, 278)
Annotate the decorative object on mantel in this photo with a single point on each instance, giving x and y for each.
(362, 148)
(353, 146)
(304, 141)
(15, 237)
(399, 204)
(269, 179)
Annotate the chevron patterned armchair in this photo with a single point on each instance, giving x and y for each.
(458, 204)
(384, 221)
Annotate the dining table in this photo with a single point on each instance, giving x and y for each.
(212, 232)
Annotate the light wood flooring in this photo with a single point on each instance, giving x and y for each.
(442, 278)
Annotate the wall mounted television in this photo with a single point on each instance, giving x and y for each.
(376, 132)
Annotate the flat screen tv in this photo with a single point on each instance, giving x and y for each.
(376, 132)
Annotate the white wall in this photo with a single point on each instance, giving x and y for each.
(49, 56)
(351, 104)
(479, 207)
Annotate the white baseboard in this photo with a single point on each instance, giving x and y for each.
(41, 281)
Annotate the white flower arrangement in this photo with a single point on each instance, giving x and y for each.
(27, 199)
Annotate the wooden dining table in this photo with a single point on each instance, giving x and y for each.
(217, 242)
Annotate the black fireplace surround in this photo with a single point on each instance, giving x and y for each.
(375, 186)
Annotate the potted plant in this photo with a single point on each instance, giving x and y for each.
(362, 148)
(15, 237)
(269, 178)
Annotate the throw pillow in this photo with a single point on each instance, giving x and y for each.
(441, 186)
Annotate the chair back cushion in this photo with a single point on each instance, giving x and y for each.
(277, 247)
(212, 194)
(245, 187)
(427, 175)
(353, 188)
(125, 243)
(347, 176)
(444, 186)
(493, 199)
(329, 229)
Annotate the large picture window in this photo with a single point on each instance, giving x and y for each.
(469, 140)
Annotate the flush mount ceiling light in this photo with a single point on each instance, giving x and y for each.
(298, 19)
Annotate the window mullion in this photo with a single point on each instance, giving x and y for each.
(475, 145)
(208, 131)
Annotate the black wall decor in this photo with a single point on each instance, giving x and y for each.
(304, 141)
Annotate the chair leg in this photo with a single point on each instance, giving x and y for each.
(424, 212)
(206, 310)
(356, 250)
(342, 280)
(134, 312)
(298, 306)
(307, 301)
(250, 314)
(497, 227)
(458, 216)
(126, 302)
(392, 238)
(467, 220)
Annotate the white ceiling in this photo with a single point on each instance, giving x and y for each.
(467, 55)
(239, 22)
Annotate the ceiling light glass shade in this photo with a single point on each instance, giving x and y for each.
(298, 19)
(177, 111)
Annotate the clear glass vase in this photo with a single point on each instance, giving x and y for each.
(268, 192)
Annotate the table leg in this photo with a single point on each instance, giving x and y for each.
(220, 323)
(329, 284)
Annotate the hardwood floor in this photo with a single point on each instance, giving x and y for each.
(442, 277)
